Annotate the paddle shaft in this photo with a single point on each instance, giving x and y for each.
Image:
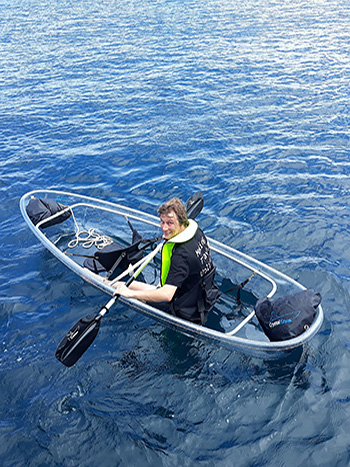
(132, 267)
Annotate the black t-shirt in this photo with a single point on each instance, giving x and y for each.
(190, 261)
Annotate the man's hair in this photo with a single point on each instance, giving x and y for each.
(176, 205)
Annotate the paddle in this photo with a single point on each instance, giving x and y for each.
(79, 338)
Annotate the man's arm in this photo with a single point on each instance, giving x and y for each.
(146, 292)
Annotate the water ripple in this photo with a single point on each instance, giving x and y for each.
(135, 102)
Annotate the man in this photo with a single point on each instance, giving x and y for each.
(187, 273)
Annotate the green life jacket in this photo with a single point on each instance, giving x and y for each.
(168, 247)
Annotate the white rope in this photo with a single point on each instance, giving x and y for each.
(88, 238)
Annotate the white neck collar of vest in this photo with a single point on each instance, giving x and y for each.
(186, 234)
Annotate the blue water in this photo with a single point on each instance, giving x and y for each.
(134, 102)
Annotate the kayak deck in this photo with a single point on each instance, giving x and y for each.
(232, 322)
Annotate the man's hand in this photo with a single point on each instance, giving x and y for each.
(122, 290)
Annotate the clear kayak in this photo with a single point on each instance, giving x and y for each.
(91, 225)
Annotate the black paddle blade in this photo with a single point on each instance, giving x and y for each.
(194, 205)
(78, 339)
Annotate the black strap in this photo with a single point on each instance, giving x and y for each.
(239, 287)
(201, 308)
(116, 264)
(76, 254)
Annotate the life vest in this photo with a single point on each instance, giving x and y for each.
(207, 294)
(168, 247)
(195, 304)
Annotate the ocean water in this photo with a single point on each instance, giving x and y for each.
(135, 102)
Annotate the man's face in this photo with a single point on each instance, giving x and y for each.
(170, 225)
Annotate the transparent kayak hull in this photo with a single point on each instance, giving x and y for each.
(235, 327)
